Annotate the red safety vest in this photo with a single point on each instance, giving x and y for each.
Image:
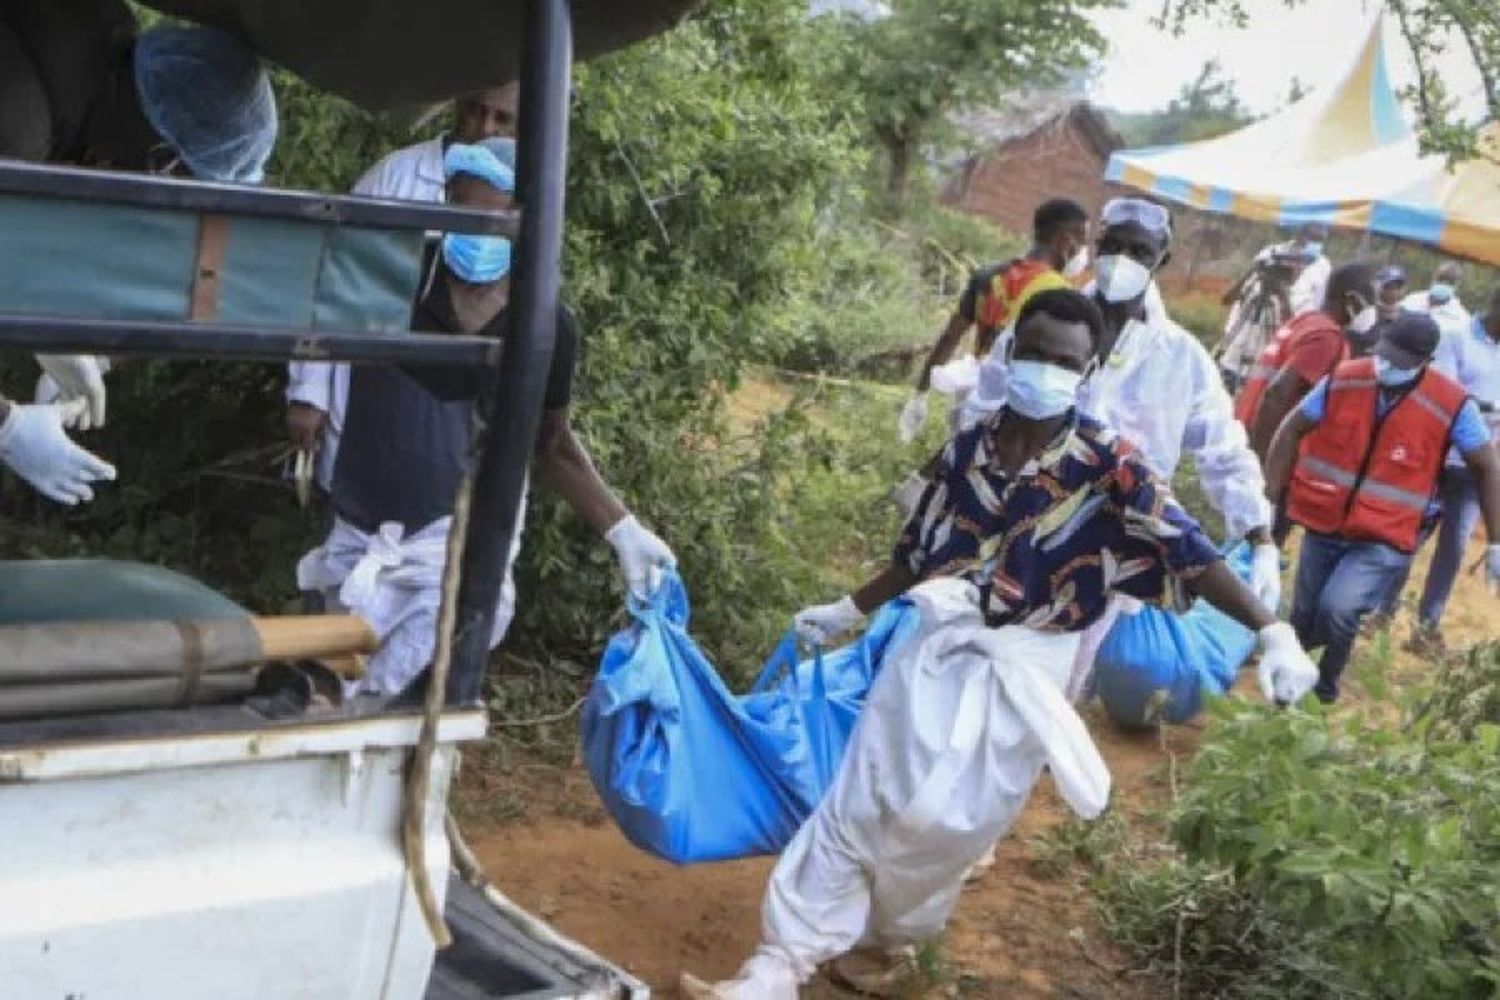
(1273, 357)
(1010, 289)
(1362, 477)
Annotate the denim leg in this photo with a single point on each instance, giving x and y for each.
(1390, 601)
(1460, 497)
(1318, 559)
(1355, 588)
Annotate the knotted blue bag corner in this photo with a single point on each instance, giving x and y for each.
(1156, 665)
(691, 773)
(678, 764)
(819, 699)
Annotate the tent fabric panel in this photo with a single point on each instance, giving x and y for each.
(1385, 107)
(1174, 188)
(62, 258)
(60, 590)
(1473, 241)
(367, 280)
(100, 261)
(269, 273)
(1418, 223)
(1257, 208)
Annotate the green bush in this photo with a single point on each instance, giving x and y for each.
(1465, 695)
(1338, 858)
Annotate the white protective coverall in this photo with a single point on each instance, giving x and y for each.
(1160, 389)
(1451, 317)
(414, 173)
(952, 738)
(394, 582)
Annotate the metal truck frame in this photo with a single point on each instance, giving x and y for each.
(215, 852)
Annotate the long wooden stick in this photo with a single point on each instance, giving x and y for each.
(299, 637)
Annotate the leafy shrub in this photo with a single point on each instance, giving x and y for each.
(1368, 857)
(1213, 937)
(1464, 696)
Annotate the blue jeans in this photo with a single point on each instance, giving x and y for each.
(1460, 496)
(1339, 581)
(1390, 601)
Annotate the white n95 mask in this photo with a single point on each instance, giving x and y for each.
(1120, 278)
(1039, 391)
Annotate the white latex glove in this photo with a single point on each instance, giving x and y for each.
(913, 416)
(1492, 569)
(822, 622)
(1265, 575)
(78, 376)
(34, 445)
(642, 555)
(1287, 673)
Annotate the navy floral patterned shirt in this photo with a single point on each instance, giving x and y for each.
(1047, 546)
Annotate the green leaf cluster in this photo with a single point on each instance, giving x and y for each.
(1328, 857)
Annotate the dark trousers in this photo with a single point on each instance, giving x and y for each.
(1339, 581)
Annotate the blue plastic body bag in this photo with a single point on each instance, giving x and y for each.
(682, 768)
(821, 697)
(1156, 665)
(692, 773)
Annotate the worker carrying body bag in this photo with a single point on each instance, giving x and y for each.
(691, 772)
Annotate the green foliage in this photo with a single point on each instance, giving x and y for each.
(1077, 842)
(1209, 106)
(1465, 695)
(683, 267)
(1326, 857)
(909, 71)
(1213, 937)
(326, 143)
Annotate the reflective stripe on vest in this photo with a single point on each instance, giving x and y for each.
(1362, 476)
(1395, 494)
(1328, 471)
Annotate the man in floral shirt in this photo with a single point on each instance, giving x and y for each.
(1038, 513)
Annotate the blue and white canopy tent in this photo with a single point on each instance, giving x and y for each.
(1348, 158)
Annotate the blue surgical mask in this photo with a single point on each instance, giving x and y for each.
(1441, 292)
(1314, 249)
(1039, 391)
(1392, 377)
(478, 260)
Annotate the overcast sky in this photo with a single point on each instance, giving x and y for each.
(1315, 43)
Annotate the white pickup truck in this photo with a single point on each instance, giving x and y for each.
(178, 835)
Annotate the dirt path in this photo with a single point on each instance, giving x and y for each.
(1020, 932)
(1025, 930)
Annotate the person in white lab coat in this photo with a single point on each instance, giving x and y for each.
(409, 442)
(318, 391)
(1035, 517)
(1440, 301)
